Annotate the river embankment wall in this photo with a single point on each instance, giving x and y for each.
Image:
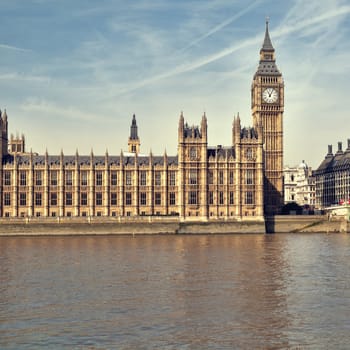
(159, 225)
(306, 224)
(99, 226)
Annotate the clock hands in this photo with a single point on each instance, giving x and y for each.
(270, 95)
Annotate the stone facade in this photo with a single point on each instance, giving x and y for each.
(299, 185)
(240, 182)
(332, 178)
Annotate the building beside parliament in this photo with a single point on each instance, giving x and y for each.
(243, 181)
(332, 177)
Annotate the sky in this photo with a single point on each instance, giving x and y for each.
(72, 73)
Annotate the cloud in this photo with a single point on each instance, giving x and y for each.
(283, 31)
(52, 110)
(222, 25)
(13, 48)
(23, 77)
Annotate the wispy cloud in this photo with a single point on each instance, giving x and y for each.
(309, 22)
(13, 48)
(53, 110)
(155, 57)
(282, 31)
(24, 77)
(222, 25)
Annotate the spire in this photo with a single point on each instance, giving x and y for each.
(134, 141)
(133, 129)
(267, 63)
(267, 45)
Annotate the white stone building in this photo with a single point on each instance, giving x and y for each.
(299, 185)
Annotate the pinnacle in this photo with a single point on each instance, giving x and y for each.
(267, 45)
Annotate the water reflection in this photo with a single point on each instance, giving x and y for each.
(175, 292)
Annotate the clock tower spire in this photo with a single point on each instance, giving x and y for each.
(267, 109)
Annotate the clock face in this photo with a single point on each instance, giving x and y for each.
(270, 95)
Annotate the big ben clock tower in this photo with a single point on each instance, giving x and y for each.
(267, 109)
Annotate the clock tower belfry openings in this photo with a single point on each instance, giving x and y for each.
(267, 94)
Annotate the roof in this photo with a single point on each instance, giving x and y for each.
(267, 66)
(337, 162)
(86, 160)
(267, 44)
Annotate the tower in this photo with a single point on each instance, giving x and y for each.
(192, 159)
(134, 141)
(267, 94)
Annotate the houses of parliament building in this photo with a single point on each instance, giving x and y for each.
(243, 181)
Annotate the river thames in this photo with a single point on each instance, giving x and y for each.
(288, 291)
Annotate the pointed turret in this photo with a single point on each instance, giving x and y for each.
(134, 141)
(76, 158)
(267, 44)
(3, 134)
(236, 130)
(204, 126)
(267, 63)
(133, 129)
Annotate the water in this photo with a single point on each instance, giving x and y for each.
(175, 292)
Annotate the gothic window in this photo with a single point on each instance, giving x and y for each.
(249, 198)
(232, 198)
(7, 198)
(211, 197)
(249, 177)
(53, 198)
(249, 153)
(99, 178)
(38, 178)
(128, 198)
(22, 178)
(128, 178)
(192, 177)
(53, 177)
(193, 153)
(221, 177)
(210, 177)
(38, 199)
(98, 198)
(69, 178)
(84, 178)
(231, 177)
(114, 198)
(83, 198)
(69, 198)
(221, 198)
(22, 198)
(172, 198)
(7, 178)
(172, 178)
(143, 178)
(143, 198)
(157, 178)
(114, 178)
(157, 198)
(192, 199)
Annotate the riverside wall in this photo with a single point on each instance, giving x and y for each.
(306, 224)
(172, 225)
